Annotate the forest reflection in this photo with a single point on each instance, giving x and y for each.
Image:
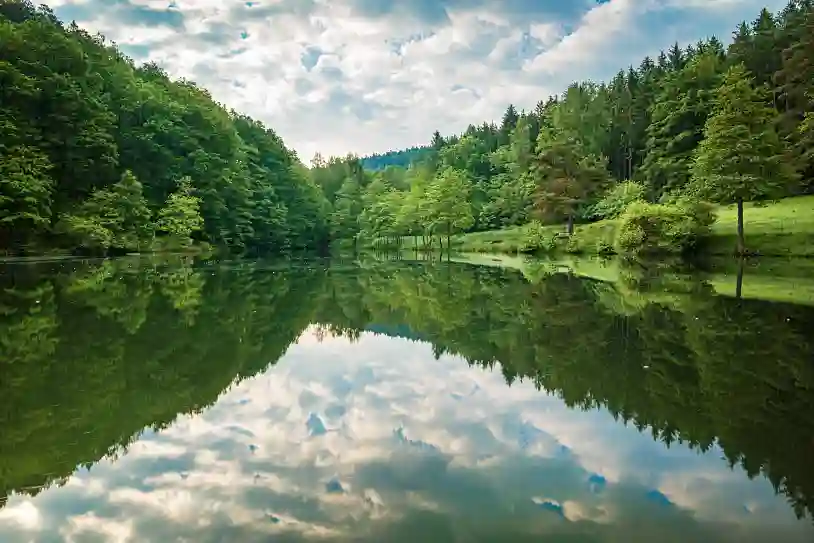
(94, 352)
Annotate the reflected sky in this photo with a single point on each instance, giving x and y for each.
(378, 441)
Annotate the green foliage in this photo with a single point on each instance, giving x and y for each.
(111, 218)
(678, 115)
(616, 199)
(25, 192)
(85, 114)
(741, 125)
(448, 201)
(180, 217)
(566, 179)
(538, 238)
(662, 228)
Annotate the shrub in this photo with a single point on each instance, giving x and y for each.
(604, 248)
(663, 228)
(616, 199)
(538, 238)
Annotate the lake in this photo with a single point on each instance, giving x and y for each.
(369, 400)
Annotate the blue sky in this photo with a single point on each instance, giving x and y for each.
(364, 76)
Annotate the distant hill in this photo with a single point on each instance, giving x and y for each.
(401, 158)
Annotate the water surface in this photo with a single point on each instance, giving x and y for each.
(148, 400)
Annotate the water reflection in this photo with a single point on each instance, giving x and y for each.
(372, 426)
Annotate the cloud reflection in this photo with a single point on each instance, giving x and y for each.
(378, 440)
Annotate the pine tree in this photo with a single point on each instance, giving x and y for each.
(742, 157)
(510, 118)
(795, 89)
(677, 123)
(565, 178)
(437, 141)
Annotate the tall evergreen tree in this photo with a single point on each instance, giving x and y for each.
(677, 123)
(741, 158)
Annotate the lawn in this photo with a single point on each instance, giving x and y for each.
(772, 279)
(782, 228)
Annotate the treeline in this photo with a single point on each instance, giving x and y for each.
(707, 122)
(403, 158)
(99, 154)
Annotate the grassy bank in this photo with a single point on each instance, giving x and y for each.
(774, 279)
(782, 228)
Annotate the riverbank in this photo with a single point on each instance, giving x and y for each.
(782, 228)
(786, 280)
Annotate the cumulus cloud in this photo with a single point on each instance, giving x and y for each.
(369, 438)
(372, 75)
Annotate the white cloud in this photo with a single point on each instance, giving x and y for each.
(389, 73)
(474, 46)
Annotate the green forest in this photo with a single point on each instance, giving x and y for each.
(102, 156)
(123, 344)
(650, 149)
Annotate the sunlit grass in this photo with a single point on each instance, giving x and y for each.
(782, 228)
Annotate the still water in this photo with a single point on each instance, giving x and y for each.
(172, 400)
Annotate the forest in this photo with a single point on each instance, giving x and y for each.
(125, 344)
(653, 147)
(101, 156)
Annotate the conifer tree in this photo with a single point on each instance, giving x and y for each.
(742, 157)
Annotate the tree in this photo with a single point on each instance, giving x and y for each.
(111, 218)
(677, 123)
(617, 198)
(180, 216)
(742, 157)
(566, 178)
(347, 208)
(448, 200)
(795, 86)
(25, 194)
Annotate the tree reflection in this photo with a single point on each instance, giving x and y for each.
(93, 353)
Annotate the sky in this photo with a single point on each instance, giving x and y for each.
(365, 441)
(365, 76)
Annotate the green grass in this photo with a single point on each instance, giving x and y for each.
(773, 279)
(782, 228)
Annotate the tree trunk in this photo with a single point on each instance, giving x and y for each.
(570, 225)
(739, 283)
(449, 235)
(741, 243)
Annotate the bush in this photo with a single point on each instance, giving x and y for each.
(616, 199)
(538, 238)
(663, 228)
